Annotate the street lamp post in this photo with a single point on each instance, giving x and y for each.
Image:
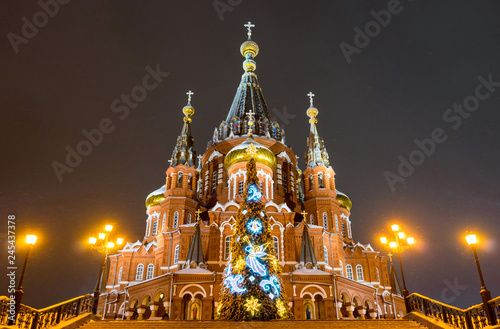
(400, 244)
(30, 240)
(485, 293)
(104, 246)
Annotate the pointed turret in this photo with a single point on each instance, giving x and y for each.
(307, 257)
(249, 103)
(195, 255)
(316, 154)
(183, 151)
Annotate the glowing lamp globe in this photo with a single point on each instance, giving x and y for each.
(108, 228)
(31, 239)
(471, 239)
(383, 240)
(410, 240)
(395, 227)
(392, 245)
(92, 240)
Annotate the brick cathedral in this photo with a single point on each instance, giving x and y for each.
(176, 271)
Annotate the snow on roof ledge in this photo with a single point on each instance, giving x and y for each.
(310, 272)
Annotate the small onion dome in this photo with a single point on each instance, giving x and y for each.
(344, 200)
(312, 112)
(154, 198)
(188, 111)
(249, 47)
(240, 153)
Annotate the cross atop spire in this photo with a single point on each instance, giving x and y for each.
(311, 95)
(198, 212)
(189, 93)
(304, 214)
(249, 26)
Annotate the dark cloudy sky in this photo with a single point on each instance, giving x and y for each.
(63, 78)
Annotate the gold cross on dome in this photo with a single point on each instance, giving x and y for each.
(311, 95)
(249, 26)
(198, 212)
(251, 150)
(390, 256)
(189, 93)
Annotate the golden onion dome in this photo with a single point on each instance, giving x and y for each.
(248, 149)
(344, 200)
(312, 112)
(249, 46)
(154, 198)
(188, 111)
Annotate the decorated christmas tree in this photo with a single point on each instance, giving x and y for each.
(252, 285)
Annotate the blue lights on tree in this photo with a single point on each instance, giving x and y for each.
(254, 194)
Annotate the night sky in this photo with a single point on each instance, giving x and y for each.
(400, 85)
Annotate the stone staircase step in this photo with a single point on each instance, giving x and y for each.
(298, 324)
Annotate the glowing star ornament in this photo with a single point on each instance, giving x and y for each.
(251, 150)
(254, 226)
(252, 305)
(254, 194)
(281, 308)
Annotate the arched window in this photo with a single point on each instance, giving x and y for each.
(261, 187)
(321, 183)
(311, 219)
(176, 219)
(155, 227)
(179, 178)
(164, 221)
(120, 274)
(241, 186)
(325, 254)
(227, 245)
(189, 218)
(341, 268)
(325, 221)
(378, 274)
(190, 179)
(343, 229)
(348, 271)
(149, 273)
(214, 180)
(139, 272)
(276, 245)
(336, 223)
(359, 272)
(311, 182)
(176, 254)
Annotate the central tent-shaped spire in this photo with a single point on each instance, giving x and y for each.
(248, 99)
